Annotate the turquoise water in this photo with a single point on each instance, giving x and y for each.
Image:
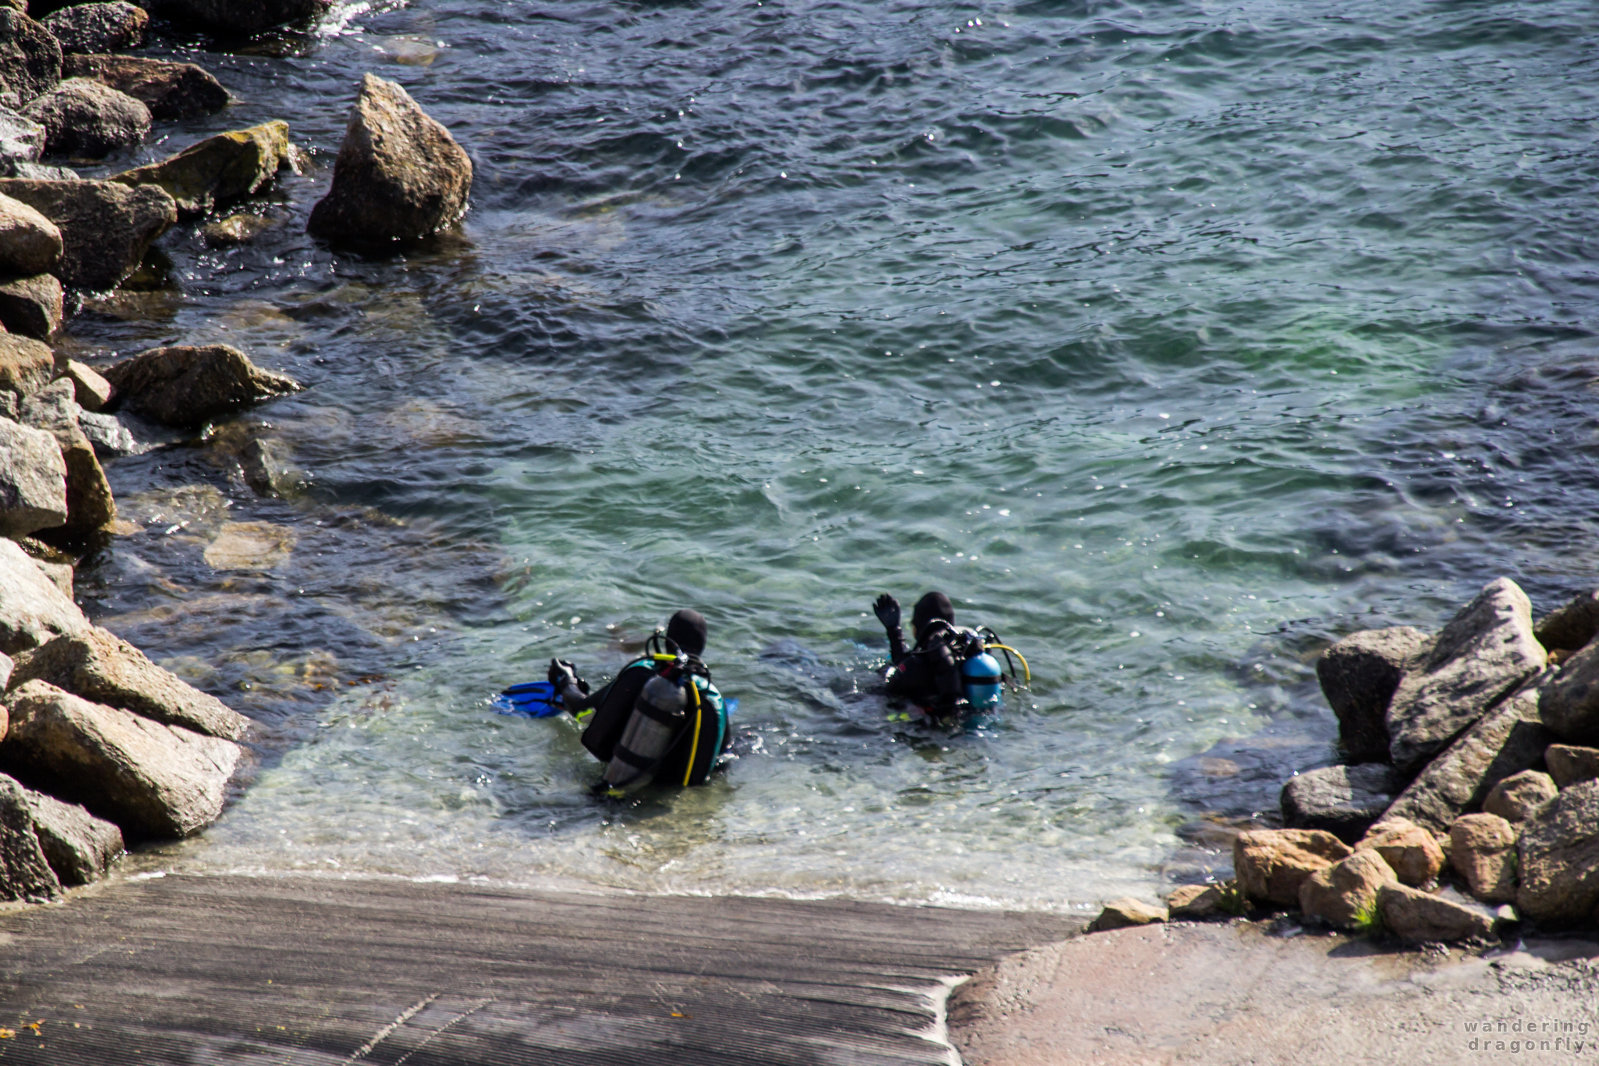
(1171, 341)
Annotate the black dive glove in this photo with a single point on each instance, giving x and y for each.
(563, 675)
(887, 610)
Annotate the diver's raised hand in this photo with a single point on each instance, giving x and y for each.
(887, 610)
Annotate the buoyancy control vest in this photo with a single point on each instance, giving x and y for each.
(944, 648)
(660, 720)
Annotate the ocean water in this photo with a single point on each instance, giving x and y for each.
(1172, 341)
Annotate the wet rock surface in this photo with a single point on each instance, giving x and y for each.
(105, 227)
(29, 242)
(188, 385)
(170, 90)
(399, 175)
(86, 118)
(1359, 675)
(1343, 800)
(219, 169)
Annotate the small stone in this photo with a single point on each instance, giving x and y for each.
(89, 387)
(250, 546)
(1519, 796)
(32, 306)
(1483, 853)
(1272, 863)
(235, 229)
(1409, 849)
(1569, 763)
(26, 366)
(1125, 913)
(33, 481)
(1419, 917)
(1199, 902)
(1345, 893)
(187, 386)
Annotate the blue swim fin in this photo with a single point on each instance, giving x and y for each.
(530, 699)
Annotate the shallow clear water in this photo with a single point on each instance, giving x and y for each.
(1171, 341)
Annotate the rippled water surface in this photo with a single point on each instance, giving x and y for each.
(1170, 340)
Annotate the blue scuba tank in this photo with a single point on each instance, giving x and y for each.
(981, 675)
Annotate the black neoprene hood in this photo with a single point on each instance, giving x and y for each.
(930, 606)
(687, 630)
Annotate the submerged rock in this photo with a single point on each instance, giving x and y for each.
(33, 481)
(105, 227)
(32, 306)
(1344, 800)
(153, 780)
(218, 169)
(1358, 676)
(1483, 654)
(29, 242)
(32, 609)
(30, 58)
(79, 847)
(235, 229)
(239, 17)
(170, 90)
(98, 27)
(249, 546)
(399, 174)
(98, 665)
(187, 386)
(85, 118)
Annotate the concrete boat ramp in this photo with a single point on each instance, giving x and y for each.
(311, 972)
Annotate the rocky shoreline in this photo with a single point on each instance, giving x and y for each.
(101, 748)
(1468, 805)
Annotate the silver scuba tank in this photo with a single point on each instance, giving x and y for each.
(658, 716)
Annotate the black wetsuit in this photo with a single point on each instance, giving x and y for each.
(928, 674)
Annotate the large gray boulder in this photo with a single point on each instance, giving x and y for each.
(1569, 701)
(170, 90)
(30, 58)
(188, 386)
(1343, 800)
(79, 847)
(21, 142)
(29, 242)
(152, 780)
(32, 609)
(105, 227)
(1358, 676)
(32, 306)
(399, 174)
(1570, 626)
(1483, 655)
(84, 118)
(1559, 858)
(218, 169)
(239, 18)
(25, 872)
(1419, 917)
(1507, 741)
(100, 666)
(98, 27)
(33, 481)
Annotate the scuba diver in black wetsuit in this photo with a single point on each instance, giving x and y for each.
(949, 669)
(660, 718)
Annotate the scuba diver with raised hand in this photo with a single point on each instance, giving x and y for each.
(660, 718)
(948, 670)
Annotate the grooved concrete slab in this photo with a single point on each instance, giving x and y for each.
(312, 972)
